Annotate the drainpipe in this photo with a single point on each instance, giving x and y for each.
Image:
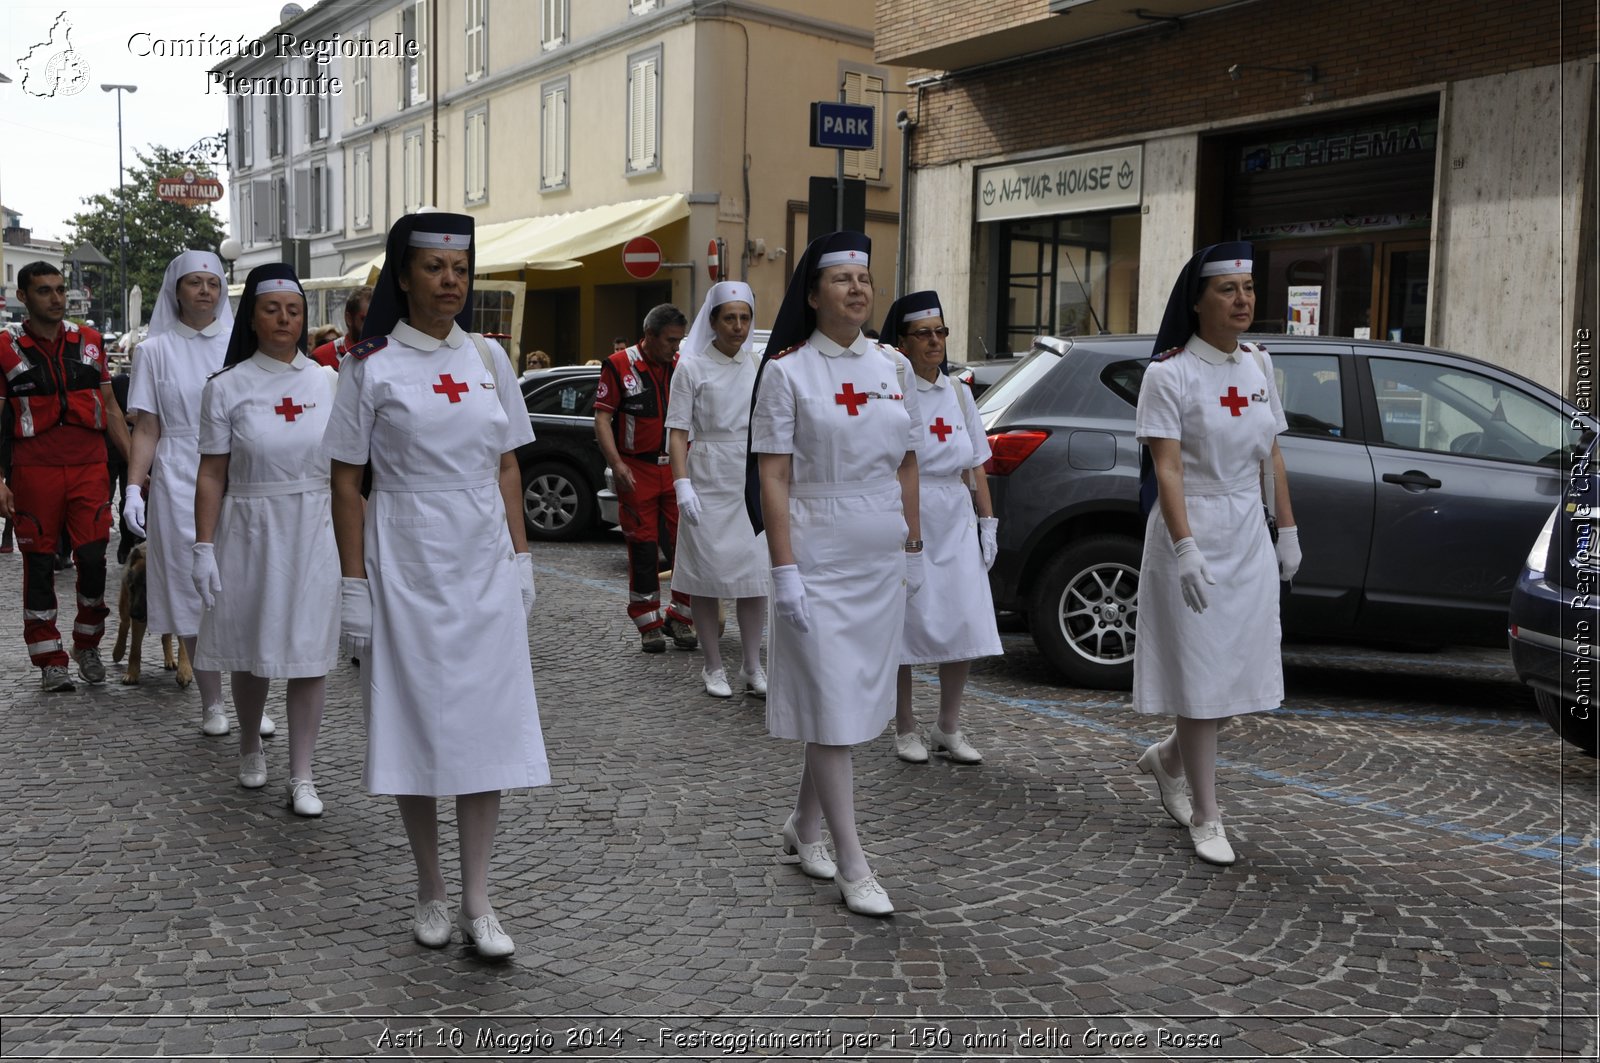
(907, 125)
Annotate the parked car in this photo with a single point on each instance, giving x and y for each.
(1420, 476)
(1555, 611)
(981, 376)
(562, 468)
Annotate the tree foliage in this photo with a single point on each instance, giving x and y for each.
(157, 230)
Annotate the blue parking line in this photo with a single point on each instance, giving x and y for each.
(1568, 851)
(1563, 854)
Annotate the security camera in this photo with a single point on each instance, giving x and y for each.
(1233, 72)
(903, 120)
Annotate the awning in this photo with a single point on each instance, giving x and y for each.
(557, 241)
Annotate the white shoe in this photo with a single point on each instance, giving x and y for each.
(755, 683)
(865, 896)
(1211, 843)
(716, 683)
(1174, 789)
(430, 924)
(954, 746)
(215, 721)
(485, 935)
(813, 855)
(909, 748)
(267, 726)
(253, 770)
(303, 798)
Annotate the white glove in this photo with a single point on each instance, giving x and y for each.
(689, 507)
(1288, 549)
(915, 573)
(789, 597)
(1193, 574)
(525, 573)
(207, 580)
(355, 612)
(988, 542)
(133, 509)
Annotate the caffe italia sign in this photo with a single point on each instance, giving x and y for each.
(189, 188)
(1065, 184)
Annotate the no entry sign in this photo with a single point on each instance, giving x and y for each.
(641, 257)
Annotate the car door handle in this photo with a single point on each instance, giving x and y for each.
(1411, 479)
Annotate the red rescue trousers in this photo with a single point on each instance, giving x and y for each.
(649, 516)
(48, 498)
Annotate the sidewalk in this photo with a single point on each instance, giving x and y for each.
(1403, 885)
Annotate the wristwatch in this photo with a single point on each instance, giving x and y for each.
(913, 545)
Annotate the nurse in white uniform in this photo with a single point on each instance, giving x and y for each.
(1209, 639)
(264, 563)
(951, 622)
(718, 554)
(438, 582)
(185, 344)
(835, 430)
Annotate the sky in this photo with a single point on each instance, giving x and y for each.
(55, 150)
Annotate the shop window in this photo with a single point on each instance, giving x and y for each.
(1441, 408)
(1075, 275)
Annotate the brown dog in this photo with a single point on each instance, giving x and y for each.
(131, 620)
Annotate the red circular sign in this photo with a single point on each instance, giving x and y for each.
(641, 257)
(713, 261)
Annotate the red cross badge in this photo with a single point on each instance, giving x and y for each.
(1234, 401)
(940, 429)
(851, 399)
(288, 409)
(451, 387)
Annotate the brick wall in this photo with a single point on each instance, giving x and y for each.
(906, 26)
(1166, 78)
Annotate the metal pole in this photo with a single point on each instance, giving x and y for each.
(906, 126)
(838, 182)
(122, 226)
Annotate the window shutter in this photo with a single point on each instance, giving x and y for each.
(652, 156)
(302, 202)
(867, 91)
(636, 117)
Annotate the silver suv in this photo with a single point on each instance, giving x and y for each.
(1420, 479)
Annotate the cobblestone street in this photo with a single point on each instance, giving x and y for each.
(1417, 874)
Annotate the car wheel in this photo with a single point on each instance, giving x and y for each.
(1084, 608)
(1563, 718)
(557, 503)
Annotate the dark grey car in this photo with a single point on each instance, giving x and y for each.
(1420, 478)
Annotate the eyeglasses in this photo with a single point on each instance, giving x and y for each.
(926, 334)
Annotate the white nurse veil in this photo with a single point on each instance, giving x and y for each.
(164, 314)
(700, 335)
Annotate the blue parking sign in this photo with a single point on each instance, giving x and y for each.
(842, 125)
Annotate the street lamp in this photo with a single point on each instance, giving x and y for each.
(122, 209)
(230, 249)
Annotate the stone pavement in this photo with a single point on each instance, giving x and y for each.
(1417, 876)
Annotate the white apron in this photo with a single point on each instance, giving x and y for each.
(721, 557)
(277, 614)
(1227, 660)
(952, 616)
(835, 684)
(169, 373)
(447, 683)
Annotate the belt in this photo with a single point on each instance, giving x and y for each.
(649, 459)
(271, 488)
(843, 489)
(719, 437)
(942, 481)
(1222, 487)
(457, 481)
(180, 433)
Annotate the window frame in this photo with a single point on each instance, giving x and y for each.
(416, 135)
(244, 117)
(476, 28)
(557, 15)
(479, 112)
(277, 121)
(418, 10)
(361, 89)
(645, 60)
(856, 162)
(642, 7)
(361, 187)
(563, 87)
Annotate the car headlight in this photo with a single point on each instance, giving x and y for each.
(1541, 545)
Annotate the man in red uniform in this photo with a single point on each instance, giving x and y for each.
(635, 384)
(58, 409)
(332, 353)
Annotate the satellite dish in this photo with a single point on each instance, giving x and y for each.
(290, 11)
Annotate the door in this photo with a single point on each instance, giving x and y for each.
(1468, 464)
(1330, 482)
(1404, 314)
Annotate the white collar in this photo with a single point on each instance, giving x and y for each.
(723, 359)
(940, 380)
(858, 346)
(424, 342)
(1209, 353)
(272, 365)
(190, 333)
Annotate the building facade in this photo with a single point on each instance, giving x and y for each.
(567, 127)
(1421, 172)
(18, 248)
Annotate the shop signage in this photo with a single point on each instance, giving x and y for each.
(189, 189)
(1066, 184)
(1305, 310)
(1347, 144)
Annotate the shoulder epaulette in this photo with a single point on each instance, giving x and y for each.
(1250, 345)
(360, 351)
(1168, 353)
(787, 350)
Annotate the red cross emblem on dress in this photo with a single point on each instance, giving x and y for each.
(448, 385)
(940, 429)
(1234, 401)
(851, 399)
(288, 409)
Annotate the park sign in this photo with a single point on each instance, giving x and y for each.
(846, 126)
(189, 188)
